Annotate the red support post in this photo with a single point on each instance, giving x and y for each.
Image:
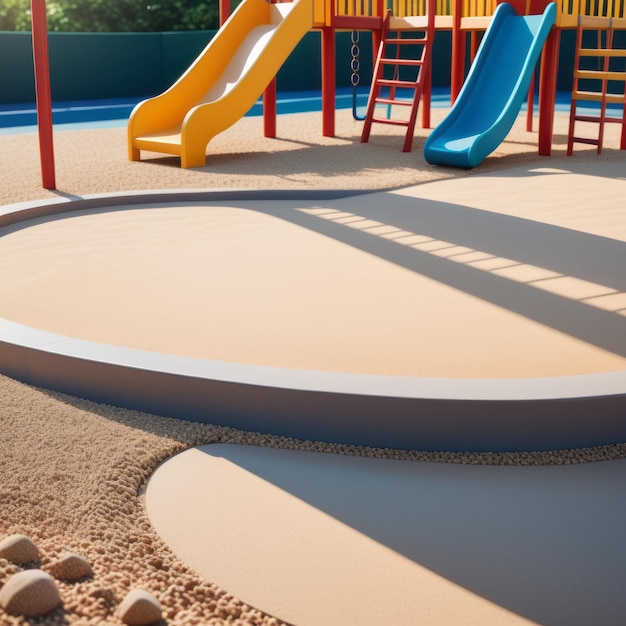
(475, 42)
(42, 92)
(457, 72)
(224, 7)
(376, 39)
(329, 81)
(427, 95)
(530, 105)
(547, 90)
(269, 110)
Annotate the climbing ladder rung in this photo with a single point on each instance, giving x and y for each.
(394, 82)
(594, 96)
(596, 119)
(391, 122)
(392, 102)
(589, 118)
(403, 62)
(393, 41)
(587, 140)
(598, 75)
(602, 52)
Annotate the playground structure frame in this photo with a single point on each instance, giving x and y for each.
(458, 16)
(461, 17)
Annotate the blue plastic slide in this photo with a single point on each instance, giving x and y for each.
(494, 90)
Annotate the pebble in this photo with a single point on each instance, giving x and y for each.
(31, 593)
(18, 549)
(71, 566)
(140, 608)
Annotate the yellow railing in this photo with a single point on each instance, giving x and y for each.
(469, 8)
(602, 8)
(567, 10)
(358, 8)
(478, 8)
(409, 8)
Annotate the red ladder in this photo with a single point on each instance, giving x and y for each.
(604, 28)
(423, 44)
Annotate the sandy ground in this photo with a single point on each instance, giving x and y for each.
(72, 472)
(96, 161)
(434, 280)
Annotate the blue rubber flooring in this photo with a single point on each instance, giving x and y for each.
(85, 114)
(114, 113)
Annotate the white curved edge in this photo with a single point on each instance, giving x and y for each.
(374, 385)
(22, 211)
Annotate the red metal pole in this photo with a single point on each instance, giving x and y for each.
(428, 76)
(475, 42)
(530, 101)
(457, 74)
(269, 110)
(427, 95)
(329, 81)
(224, 6)
(42, 92)
(547, 90)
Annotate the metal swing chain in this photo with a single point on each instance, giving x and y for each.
(355, 67)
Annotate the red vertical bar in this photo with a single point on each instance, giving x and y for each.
(329, 81)
(458, 53)
(269, 110)
(427, 96)
(547, 91)
(42, 92)
(474, 43)
(224, 6)
(530, 105)
(428, 76)
(376, 39)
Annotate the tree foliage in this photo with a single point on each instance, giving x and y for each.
(15, 15)
(114, 15)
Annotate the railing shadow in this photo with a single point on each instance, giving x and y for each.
(579, 261)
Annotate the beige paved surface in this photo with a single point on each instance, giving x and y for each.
(494, 544)
(479, 277)
(325, 539)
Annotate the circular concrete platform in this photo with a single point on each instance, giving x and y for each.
(370, 541)
(392, 319)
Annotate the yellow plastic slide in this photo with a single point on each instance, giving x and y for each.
(222, 84)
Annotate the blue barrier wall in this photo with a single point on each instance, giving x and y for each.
(91, 66)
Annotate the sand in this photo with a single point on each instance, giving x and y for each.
(96, 161)
(72, 472)
(402, 283)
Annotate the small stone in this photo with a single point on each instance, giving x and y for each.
(31, 593)
(18, 549)
(140, 608)
(71, 566)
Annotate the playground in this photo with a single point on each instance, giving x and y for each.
(419, 373)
